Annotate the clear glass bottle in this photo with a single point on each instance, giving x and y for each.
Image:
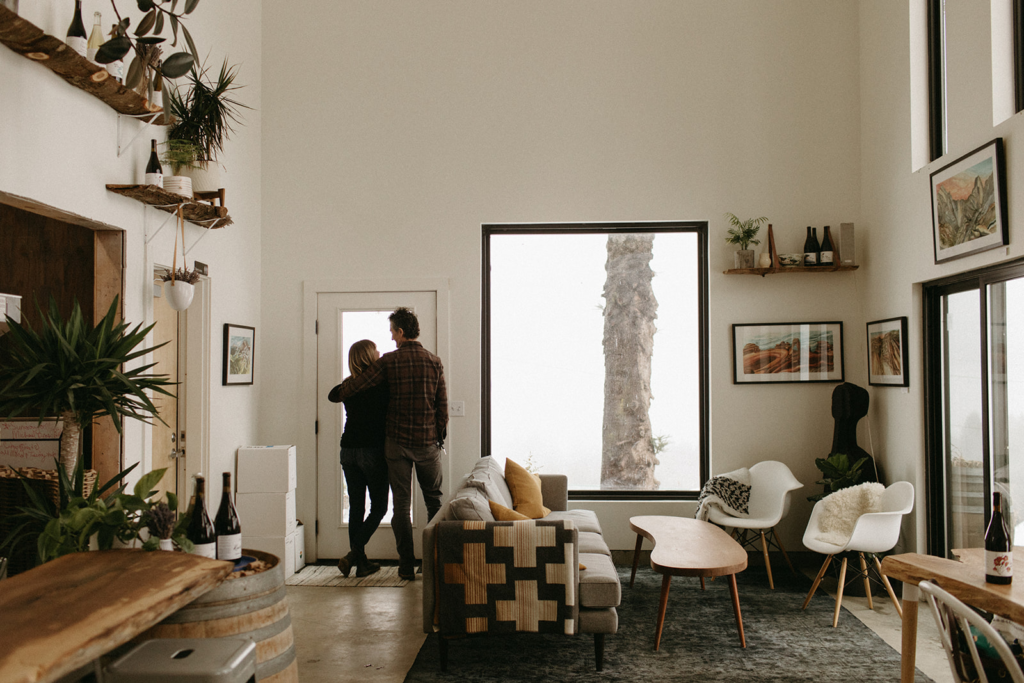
(95, 38)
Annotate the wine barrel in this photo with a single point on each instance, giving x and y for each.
(248, 607)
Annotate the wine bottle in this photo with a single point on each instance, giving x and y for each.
(154, 171)
(76, 38)
(200, 530)
(95, 38)
(998, 551)
(116, 67)
(811, 247)
(156, 98)
(827, 250)
(229, 531)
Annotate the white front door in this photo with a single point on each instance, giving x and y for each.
(343, 319)
(168, 444)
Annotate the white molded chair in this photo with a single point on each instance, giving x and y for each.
(770, 485)
(875, 532)
(952, 615)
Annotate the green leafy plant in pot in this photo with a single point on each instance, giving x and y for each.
(73, 371)
(743, 234)
(839, 473)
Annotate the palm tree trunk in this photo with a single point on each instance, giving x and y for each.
(69, 443)
(627, 451)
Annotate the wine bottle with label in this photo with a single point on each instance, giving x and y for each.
(998, 548)
(154, 171)
(95, 38)
(156, 98)
(76, 38)
(827, 250)
(229, 531)
(200, 529)
(811, 247)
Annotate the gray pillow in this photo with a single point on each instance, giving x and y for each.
(470, 503)
(487, 477)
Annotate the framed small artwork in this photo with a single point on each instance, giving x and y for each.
(239, 353)
(774, 353)
(969, 204)
(888, 356)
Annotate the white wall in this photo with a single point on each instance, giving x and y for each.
(58, 146)
(393, 130)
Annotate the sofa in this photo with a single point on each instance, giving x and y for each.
(484, 574)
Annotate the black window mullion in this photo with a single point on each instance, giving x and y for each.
(1018, 55)
(936, 73)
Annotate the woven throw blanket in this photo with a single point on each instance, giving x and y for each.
(840, 510)
(503, 577)
(730, 492)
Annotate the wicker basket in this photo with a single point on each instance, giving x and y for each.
(13, 497)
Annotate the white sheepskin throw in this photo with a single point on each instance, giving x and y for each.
(840, 510)
(730, 492)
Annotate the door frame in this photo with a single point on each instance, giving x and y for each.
(306, 493)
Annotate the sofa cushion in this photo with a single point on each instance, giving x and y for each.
(527, 498)
(487, 476)
(503, 514)
(586, 520)
(470, 503)
(599, 582)
(590, 542)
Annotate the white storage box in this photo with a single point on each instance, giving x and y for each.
(266, 469)
(300, 546)
(282, 546)
(266, 514)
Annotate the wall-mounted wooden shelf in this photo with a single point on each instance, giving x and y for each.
(790, 269)
(29, 40)
(205, 215)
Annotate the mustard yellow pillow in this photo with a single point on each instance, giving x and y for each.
(525, 488)
(503, 514)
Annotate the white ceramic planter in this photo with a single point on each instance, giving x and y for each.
(179, 294)
(205, 179)
(166, 544)
(179, 184)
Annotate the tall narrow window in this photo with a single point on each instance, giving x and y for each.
(936, 78)
(1018, 54)
(595, 354)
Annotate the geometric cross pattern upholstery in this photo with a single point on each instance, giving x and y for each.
(503, 577)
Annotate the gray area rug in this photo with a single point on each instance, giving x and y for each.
(330, 577)
(699, 643)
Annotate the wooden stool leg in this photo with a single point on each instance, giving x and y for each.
(817, 580)
(888, 587)
(636, 558)
(767, 562)
(783, 549)
(867, 581)
(666, 582)
(839, 593)
(736, 608)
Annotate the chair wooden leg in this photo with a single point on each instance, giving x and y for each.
(767, 562)
(783, 549)
(443, 644)
(599, 650)
(888, 587)
(636, 558)
(839, 593)
(867, 581)
(817, 580)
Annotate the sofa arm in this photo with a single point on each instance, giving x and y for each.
(554, 489)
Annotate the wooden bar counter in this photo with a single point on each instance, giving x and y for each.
(62, 615)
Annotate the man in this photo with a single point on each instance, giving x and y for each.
(417, 422)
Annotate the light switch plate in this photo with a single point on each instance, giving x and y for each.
(457, 408)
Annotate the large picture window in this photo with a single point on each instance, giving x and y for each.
(595, 354)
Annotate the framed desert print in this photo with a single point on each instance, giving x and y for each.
(239, 353)
(775, 353)
(969, 204)
(888, 356)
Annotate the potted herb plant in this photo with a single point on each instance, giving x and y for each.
(743, 234)
(182, 288)
(180, 156)
(203, 117)
(73, 371)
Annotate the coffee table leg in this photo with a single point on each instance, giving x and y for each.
(666, 581)
(636, 558)
(736, 608)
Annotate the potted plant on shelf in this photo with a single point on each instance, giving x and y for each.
(182, 288)
(743, 234)
(203, 117)
(180, 156)
(72, 371)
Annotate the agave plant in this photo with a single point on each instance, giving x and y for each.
(72, 370)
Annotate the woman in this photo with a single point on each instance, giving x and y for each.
(362, 460)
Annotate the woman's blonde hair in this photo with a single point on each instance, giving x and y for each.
(360, 355)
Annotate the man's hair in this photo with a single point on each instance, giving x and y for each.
(362, 353)
(405, 320)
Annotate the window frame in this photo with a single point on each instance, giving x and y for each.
(936, 80)
(1018, 55)
(700, 228)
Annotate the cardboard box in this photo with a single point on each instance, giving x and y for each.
(300, 546)
(281, 546)
(266, 514)
(266, 469)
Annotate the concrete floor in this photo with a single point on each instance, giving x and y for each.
(372, 635)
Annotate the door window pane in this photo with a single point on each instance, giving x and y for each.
(1006, 398)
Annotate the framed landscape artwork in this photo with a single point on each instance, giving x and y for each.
(969, 204)
(888, 356)
(239, 348)
(774, 353)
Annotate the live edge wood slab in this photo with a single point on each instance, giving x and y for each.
(64, 614)
(206, 215)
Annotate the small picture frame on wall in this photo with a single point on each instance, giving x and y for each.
(239, 354)
(969, 204)
(888, 356)
(778, 353)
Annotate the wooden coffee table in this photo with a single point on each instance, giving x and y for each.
(688, 547)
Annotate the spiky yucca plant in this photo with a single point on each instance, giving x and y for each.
(72, 370)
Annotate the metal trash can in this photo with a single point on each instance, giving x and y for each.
(186, 660)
